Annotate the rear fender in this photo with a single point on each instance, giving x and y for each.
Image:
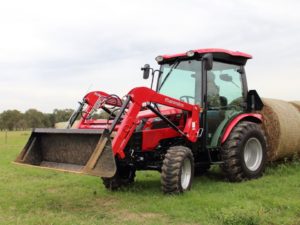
(253, 117)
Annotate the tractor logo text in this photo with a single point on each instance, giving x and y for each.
(174, 102)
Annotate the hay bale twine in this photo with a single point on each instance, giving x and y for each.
(282, 126)
(296, 104)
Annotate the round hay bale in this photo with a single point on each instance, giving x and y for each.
(296, 104)
(282, 126)
(63, 125)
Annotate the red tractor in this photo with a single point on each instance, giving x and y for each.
(199, 113)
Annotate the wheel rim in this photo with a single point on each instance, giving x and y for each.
(186, 173)
(253, 154)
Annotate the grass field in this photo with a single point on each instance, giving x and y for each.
(34, 196)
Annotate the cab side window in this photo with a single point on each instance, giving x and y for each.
(224, 86)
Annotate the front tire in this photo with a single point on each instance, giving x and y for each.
(124, 176)
(177, 170)
(244, 152)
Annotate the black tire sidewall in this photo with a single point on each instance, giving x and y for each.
(126, 173)
(123, 177)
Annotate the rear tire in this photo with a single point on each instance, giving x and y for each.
(123, 177)
(244, 152)
(177, 170)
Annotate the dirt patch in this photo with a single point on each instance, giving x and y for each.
(142, 217)
(106, 202)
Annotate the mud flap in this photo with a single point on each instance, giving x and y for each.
(82, 151)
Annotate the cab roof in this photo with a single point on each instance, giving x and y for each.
(234, 57)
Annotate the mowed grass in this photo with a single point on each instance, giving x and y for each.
(37, 196)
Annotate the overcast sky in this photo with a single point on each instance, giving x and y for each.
(53, 52)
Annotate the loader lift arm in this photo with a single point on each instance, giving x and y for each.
(94, 100)
(143, 96)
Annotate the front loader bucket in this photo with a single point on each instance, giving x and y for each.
(71, 150)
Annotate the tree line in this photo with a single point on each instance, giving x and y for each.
(32, 118)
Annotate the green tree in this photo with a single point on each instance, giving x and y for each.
(21, 124)
(49, 120)
(9, 119)
(62, 115)
(34, 118)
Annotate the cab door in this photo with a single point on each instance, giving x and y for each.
(225, 98)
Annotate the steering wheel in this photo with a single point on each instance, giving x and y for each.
(186, 98)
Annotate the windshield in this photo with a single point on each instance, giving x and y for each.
(181, 80)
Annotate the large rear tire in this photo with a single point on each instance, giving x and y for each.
(123, 177)
(177, 170)
(244, 152)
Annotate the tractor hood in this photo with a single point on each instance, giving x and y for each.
(146, 114)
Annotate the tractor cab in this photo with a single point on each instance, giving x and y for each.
(214, 79)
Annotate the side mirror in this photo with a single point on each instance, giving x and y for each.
(146, 70)
(226, 77)
(208, 61)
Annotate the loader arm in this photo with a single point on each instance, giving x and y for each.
(142, 96)
(96, 100)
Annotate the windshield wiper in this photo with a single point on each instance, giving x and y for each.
(176, 63)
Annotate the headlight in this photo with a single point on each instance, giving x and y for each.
(190, 53)
(159, 58)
